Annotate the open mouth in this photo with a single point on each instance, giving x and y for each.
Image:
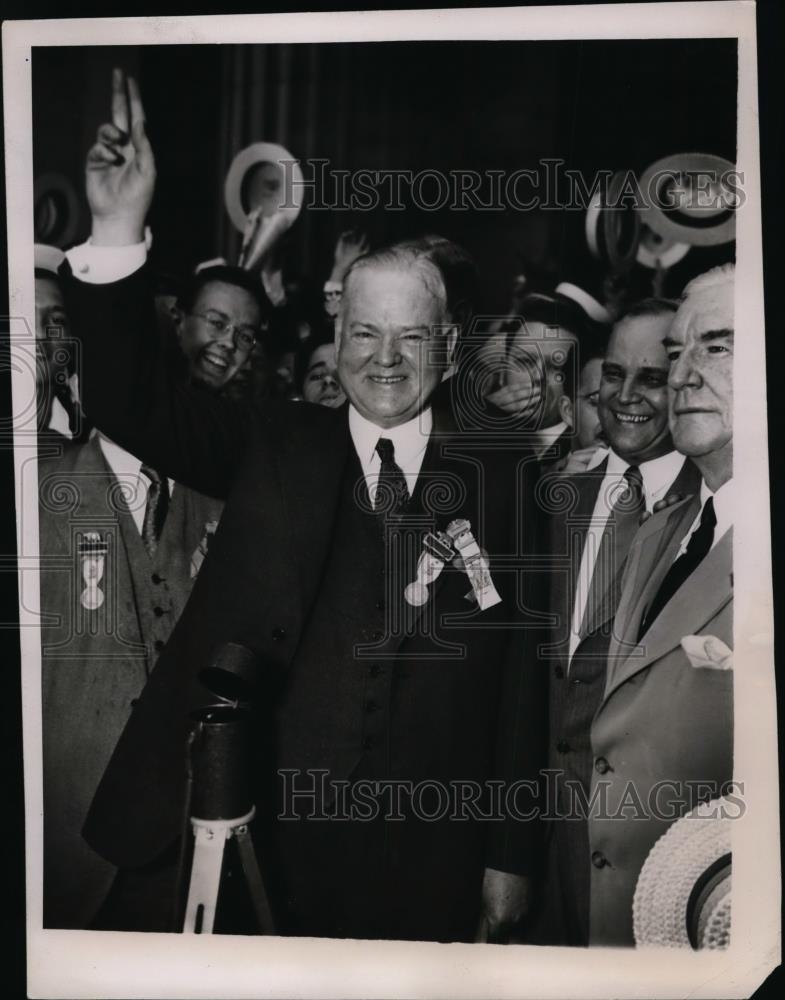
(215, 362)
(631, 418)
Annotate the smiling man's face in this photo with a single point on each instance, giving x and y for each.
(208, 332)
(392, 341)
(633, 399)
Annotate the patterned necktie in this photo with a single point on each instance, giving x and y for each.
(392, 493)
(156, 509)
(620, 528)
(698, 547)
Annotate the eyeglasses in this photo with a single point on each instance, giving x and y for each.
(244, 336)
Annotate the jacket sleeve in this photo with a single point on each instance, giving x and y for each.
(515, 841)
(133, 387)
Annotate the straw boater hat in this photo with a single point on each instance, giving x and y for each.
(683, 895)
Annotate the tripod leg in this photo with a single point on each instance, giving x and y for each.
(253, 877)
(205, 880)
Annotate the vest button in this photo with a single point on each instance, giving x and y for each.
(602, 766)
(156, 578)
(558, 672)
(563, 746)
(158, 611)
(158, 645)
(134, 702)
(278, 633)
(598, 859)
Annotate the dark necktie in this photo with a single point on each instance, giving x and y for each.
(698, 548)
(392, 493)
(620, 529)
(156, 509)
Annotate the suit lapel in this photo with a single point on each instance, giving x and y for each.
(701, 596)
(568, 530)
(312, 460)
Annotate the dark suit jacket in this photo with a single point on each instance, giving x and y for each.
(665, 726)
(461, 706)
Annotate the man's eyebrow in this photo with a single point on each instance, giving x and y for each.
(653, 370)
(670, 342)
(315, 365)
(723, 334)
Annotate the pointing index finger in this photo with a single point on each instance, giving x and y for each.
(119, 101)
(137, 108)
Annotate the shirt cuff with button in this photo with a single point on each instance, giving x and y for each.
(102, 265)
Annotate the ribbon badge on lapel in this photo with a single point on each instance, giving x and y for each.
(475, 562)
(201, 549)
(437, 549)
(92, 552)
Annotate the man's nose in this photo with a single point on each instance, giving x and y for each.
(628, 392)
(387, 352)
(683, 372)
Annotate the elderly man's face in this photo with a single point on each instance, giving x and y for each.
(633, 400)
(218, 331)
(321, 384)
(51, 326)
(700, 351)
(391, 341)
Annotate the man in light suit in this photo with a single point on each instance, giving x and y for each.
(310, 569)
(662, 739)
(589, 538)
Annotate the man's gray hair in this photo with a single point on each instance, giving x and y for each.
(722, 275)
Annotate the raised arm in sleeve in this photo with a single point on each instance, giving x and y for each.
(136, 393)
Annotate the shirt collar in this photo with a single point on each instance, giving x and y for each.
(408, 439)
(658, 474)
(723, 505)
(547, 436)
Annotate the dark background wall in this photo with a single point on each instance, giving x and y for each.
(423, 105)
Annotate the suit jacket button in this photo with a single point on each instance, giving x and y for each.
(158, 645)
(563, 746)
(134, 702)
(278, 633)
(371, 705)
(367, 742)
(598, 859)
(156, 578)
(559, 672)
(602, 766)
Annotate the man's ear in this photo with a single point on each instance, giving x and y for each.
(451, 335)
(566, 411)
(178, 318)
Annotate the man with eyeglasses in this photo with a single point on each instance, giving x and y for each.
(218, 318)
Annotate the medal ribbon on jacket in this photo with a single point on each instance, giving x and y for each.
(437, 550)
(475, 562)
(92, 551)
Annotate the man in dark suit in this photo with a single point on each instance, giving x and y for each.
(372, 670)
(664, 726)
(590, 536)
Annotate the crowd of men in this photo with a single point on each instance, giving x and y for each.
(467, 560)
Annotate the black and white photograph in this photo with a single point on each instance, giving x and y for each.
(395, 610)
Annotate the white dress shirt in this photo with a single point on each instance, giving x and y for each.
(723, 511)
(409, 441)
(658, 476)
(127, 470)
(548, 436)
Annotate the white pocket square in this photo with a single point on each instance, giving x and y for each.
(707, 651)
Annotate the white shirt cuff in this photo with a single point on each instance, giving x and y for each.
(101, 265)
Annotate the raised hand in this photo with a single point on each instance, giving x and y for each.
(349, 247)
(120, 170)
